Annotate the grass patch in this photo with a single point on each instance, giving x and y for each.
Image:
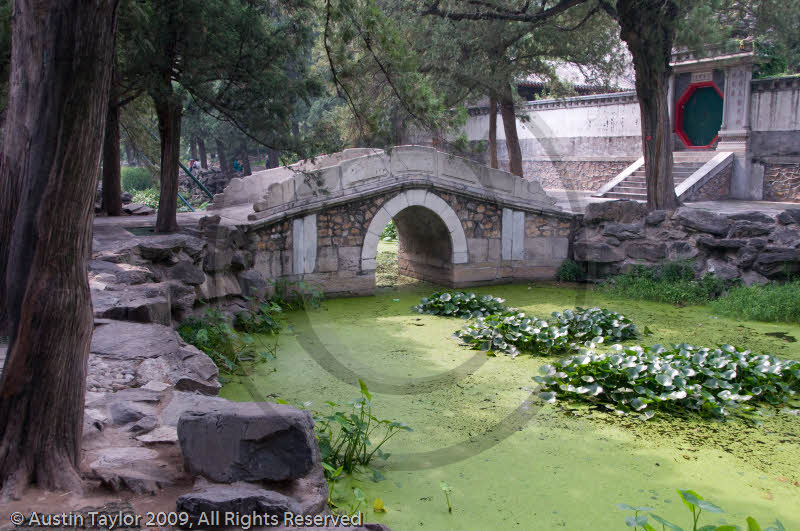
(773, 302)
(671, 282)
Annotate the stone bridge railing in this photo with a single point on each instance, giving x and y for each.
(361, 172)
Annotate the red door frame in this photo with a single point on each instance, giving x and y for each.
(679, 113)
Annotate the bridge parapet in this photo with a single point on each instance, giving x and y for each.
(364, 172)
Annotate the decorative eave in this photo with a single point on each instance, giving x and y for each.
(690, 61)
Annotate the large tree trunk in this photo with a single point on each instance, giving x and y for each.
(648, 27)
(274, 158)
(129, 155)
(60, 82)
(168, 109)
(112, 178)
(201, 147)
(510, 129)
(223, 159)
(246, 170)
(492, 132)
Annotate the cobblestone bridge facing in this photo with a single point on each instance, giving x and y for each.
(458, 224)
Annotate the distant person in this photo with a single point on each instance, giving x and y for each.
(266, 162)
(236, 166)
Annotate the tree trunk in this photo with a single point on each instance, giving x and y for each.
(648, 28)
(60, 78)
(201, 147)
(168, 110)
(193, 148)
(223, 159)
(245, 159)
(274, 158)
(129, 154)
(492, 132)
(112, 178)
(510, 129)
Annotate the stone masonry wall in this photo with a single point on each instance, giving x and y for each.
(571, 174)
(782, 182)
(716, 188)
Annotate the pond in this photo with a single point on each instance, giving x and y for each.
(512, 461)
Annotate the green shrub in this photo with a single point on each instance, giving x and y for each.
(460, 304)
(260, 318)
(389, 233)
(705, 380)
(773, 302)
(149, 197)
(355, 436)
(696, 504)
(513, 332)
(296, 295)
(570, 271)
(672, 282)
(212, 334)
(134, 179)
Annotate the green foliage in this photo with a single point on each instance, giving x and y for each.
(705, 380)
(260, 318)
(570, 271)
(513, 332)
(460, 304)
(696, 504)
(212, 334)
(296, 295)
(135, 179)
(353, 437)
(148, 196)
(773, 302)
(389, 233)
(671, 282)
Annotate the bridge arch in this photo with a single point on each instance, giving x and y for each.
(430, 235)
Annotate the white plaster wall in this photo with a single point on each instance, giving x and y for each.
(776, 110)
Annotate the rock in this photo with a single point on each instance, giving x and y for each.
(181, 402)
(187, 369)
(753, 216)
(623, 210)
(721, 269)
(745, 257)
(219, 285)
(249, 441)
(652, 251)
(155, 385)
(703, 221)
(141, 478)
(253, 284)
(786, 237)
(138, 209)
(239, 498)
(162, 434)
(134, 341)
(789, 216)
(217, 260)
(186, 272)
(126, 197)
(613, 241)
(123, 273)
(656, 217)
(776, 262)
(757, 243)
(123, 412)
(751, 277)
(143, 303)
(181, 299)
(144, 425)
(310, 491)
(624, 231)
(747, 229)
(596, 252)
(161, 249)
(720, 244)
(137, 395)
(116, 457)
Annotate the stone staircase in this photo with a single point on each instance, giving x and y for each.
(632, 184)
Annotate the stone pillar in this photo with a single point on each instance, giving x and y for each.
(734, 135)
(512, 233)
(304, 244)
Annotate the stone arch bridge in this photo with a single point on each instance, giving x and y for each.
(458, 224)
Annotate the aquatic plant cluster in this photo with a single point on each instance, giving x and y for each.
(513, 331)
(460, 304)
(706, 380)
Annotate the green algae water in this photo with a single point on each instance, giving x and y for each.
(512, 461)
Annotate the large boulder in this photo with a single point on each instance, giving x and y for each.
(656, 217)
(722, 269)
(723, 244)
(753, 216)
(597, 252)
(703, 221)
(143, 303)
(790, 216)
(748, 229)
(237, 498)
(123, 273)
(775, 262)
(186, 368)
(249, 441)
(166, 248)
(124, 340)
(624, 231)
(651, 251)
(186, 272)
(623, 210)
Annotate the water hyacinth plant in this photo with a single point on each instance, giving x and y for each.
(513, 332)
(460, 304)
(637, 379)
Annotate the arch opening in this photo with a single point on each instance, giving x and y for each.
(425, 248)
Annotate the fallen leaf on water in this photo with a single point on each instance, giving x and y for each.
(378, 506)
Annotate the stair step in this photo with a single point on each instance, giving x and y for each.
(635, 197)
